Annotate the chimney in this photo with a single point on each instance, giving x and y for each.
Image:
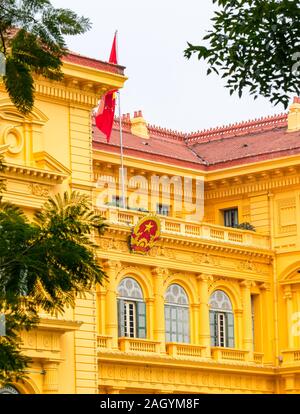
(139, 125)
(294, 115)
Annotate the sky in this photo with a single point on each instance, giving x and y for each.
(171, 91)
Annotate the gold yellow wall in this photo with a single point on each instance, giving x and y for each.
(48, 152)
(51, 151)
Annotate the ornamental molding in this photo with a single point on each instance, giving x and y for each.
(206, 259)
(231, 287)
(113, 265)
(252, 187)
(130, 366)
(33, 174)
(164, 248)
(39, 190)
(171, 276)
(205, 277)
(256, 264)
(13, 138)
(9, 112)
(161, 272)
(130, 270)
(68, 92)
(249, 265)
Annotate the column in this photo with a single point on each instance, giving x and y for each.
(112, 268)
(50, 383)
(288, 296)
(101, 319)
(267, 323)
(238, 328)
(159, 306)
(194, 323)
(102, 311)
(150, 317)
(247, 318)
(204, 328)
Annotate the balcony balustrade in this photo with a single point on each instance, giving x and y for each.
(180, 227)
(225, 354)
(138, 345)
(258, 358)
(183, 350)
(104, 342)
(291, 356)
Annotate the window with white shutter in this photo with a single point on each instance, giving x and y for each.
(131, 309)
(221, 320)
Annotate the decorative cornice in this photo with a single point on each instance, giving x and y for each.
(252, 187)
(115, 355)
(59, 325)
(200, 243)
(33, 174)
(61, 92)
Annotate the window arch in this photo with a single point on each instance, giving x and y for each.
(131, 309)
(8, 390)
(177, 315)
(221, 320)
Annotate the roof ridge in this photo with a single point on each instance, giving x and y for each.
(239, 128)
(166, 132)
(231, 130)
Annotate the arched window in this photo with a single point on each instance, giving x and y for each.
(131, 309)
(221, 320)
(177, 315)
(8, 390)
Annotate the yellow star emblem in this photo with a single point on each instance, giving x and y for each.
(148, 227)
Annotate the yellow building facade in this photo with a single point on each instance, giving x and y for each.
(211, 308)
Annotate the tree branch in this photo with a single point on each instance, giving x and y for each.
(3, 42)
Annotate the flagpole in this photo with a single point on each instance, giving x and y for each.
(121, 135)
(122, 152)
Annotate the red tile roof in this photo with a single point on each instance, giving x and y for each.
(248, 148)
(242, 143)
(160, 149)
(78, 59)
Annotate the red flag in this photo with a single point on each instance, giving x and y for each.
(106, 113)
(106, 110)
(113, 54)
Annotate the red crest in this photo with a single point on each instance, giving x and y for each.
(145, 234)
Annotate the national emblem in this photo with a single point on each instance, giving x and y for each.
(145, 234)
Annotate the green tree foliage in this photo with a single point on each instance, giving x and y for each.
(255, 46)
(44, 265)
(32, 40)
